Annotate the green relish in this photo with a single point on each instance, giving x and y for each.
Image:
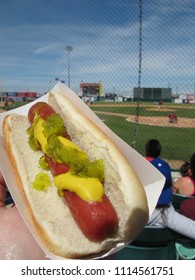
(41, 182)
(76, 159)
(32, 141)
(53, 125)
(43, 163)
(80, 165)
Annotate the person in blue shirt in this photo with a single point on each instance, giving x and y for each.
(164, 215)
(153, 151)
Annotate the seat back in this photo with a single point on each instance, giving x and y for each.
(154, 236)
(177, 199)
(153, 243)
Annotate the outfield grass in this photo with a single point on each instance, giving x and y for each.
(177, 143)
(16, 104)
(185, 111)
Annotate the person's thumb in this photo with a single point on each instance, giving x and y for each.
(2, 195)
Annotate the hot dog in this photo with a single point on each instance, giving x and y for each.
(97, 219)
(66, 229)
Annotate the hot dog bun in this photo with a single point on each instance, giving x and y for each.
(49, 213)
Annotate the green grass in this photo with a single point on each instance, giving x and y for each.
(16, 105)
(177, 143)
(187, 112)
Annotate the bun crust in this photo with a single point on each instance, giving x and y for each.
(51, 216)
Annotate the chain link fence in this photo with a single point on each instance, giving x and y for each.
(121, 44)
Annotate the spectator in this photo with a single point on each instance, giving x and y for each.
(187, 208)
(185, 185)
(153, 151)
(185, 169)
(164, 214)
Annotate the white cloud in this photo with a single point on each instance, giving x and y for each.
(45, 49)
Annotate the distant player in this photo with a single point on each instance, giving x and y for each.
(172, 118)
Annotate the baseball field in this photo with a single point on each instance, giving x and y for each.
(177, 139)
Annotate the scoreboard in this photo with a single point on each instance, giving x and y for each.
(91, 89)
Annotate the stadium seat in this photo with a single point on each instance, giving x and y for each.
(153, 243)
(178, 199)
(185, 249)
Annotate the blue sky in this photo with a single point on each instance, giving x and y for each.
(104, 36)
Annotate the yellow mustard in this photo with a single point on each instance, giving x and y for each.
(38, 134)
(87, 188)
(67, 143)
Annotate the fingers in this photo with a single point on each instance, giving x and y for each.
(2, 195)
(2, 191)
(2, 179)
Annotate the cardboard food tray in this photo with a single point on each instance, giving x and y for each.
(151, 178)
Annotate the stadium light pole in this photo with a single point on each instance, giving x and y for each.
(69, 49)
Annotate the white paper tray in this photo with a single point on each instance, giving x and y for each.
(151, 178)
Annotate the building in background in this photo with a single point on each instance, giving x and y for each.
(18, 96)
(185, 98)
(152, 94)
